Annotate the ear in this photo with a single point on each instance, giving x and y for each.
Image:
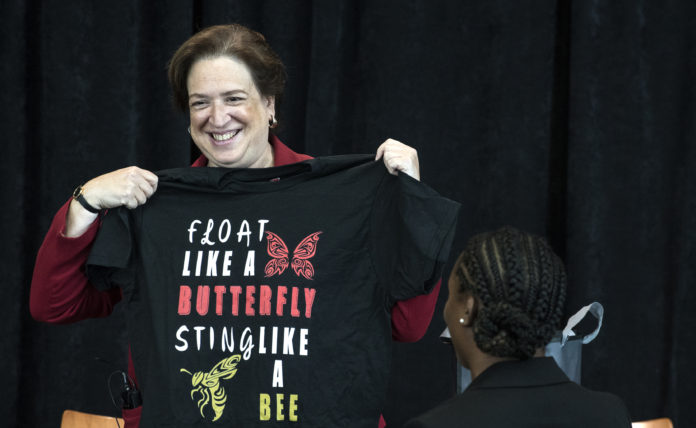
(468, 310)
(270, 104)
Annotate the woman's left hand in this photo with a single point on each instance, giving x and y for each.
(398, 157)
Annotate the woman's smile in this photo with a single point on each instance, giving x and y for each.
(226, 138)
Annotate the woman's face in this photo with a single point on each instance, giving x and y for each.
(229, 117)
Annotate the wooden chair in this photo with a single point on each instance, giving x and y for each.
(75, 419)
(653, 423)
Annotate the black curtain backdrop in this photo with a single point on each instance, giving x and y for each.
(571, 119)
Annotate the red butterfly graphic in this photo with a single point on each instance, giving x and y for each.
(300, 259)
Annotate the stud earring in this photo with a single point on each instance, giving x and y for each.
(272, 122)
(461, 320)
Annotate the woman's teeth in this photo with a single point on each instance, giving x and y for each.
(223, 137)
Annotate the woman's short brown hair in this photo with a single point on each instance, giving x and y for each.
(233, 40)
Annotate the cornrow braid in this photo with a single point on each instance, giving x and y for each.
(520, 285)
(495, 268)
(534, 275)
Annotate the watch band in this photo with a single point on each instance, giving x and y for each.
(79, 197)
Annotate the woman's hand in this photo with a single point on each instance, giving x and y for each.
(129, 187)
(398, 157)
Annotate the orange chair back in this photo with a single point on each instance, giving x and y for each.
(75, 419)
(653, 423)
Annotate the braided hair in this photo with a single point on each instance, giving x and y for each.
(520, 287)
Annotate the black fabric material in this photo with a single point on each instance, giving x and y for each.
(573, 119)
(216, 251)
(526, 394)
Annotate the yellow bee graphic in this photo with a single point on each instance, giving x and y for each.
(208, 385)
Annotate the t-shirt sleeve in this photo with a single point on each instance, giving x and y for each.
(411, 233)
(108, 265)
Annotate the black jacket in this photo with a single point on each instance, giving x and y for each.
(530, 393)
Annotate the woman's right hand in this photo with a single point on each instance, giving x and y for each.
(129, 187)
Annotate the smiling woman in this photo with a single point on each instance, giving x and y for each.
(230, 82)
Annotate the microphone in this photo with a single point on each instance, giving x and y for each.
(130, 395)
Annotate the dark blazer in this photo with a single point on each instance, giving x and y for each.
(530, 393)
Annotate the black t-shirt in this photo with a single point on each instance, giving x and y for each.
(262, 297)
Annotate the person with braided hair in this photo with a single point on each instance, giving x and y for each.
(506, 295)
